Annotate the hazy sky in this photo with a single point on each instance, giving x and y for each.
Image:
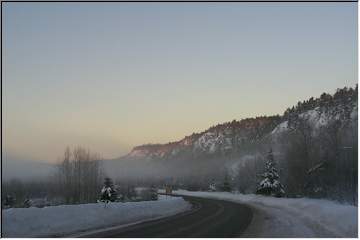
(109, 76)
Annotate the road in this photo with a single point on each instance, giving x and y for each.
(208, 218)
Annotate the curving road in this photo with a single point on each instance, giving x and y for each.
(208, 218)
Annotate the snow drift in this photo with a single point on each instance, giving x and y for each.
(67, 219)
(292, 217)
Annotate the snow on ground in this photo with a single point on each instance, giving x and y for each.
(67, 219)
(292, 217)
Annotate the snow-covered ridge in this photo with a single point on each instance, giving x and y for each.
(318, 118)
(221, 138)
(282, 127)
(231, 136)
(68, 219)
(209, 142)
(292, 217)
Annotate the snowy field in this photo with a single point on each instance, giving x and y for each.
(292, 217)
(68, 219)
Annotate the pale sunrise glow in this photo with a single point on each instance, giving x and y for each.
(112, 76)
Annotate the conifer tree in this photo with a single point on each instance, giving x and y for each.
(108, 193)
(153, 193)
(270, 183)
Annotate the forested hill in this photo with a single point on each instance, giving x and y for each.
(229, 137)
(314, 144)
(221, 139)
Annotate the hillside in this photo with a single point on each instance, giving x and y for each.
(221, 139)
(313, 132)
(230, 137)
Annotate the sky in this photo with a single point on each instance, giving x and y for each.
(110, 76)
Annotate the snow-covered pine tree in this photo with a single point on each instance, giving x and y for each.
(270, 183)
(108, 193)
(153, 193)
(212, 187)
(27, 203)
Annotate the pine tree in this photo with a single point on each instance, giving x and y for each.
(153, 193)
(212, 187)
(270, 183)
(108, 193)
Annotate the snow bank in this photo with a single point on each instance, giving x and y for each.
(292, 217)
(65, 219)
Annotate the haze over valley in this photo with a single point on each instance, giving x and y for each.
(181, 119)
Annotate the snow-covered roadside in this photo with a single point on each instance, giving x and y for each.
(292, 217)
(67, 219)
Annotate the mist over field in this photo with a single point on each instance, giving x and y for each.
(26, 169)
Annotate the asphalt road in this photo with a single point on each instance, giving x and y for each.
(208, 218)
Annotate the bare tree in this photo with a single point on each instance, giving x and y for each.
(79, 176)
